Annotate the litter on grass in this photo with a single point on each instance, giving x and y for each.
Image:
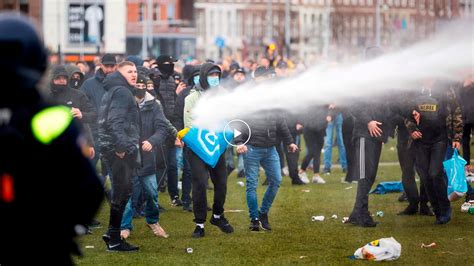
(432, 245)
(380, 249)
(317, 218)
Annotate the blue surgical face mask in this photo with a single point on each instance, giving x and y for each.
(196, 80)
(213, 81)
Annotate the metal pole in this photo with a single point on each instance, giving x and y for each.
(150, 26)
(144, 31)
(58, 23)
(377, 23)
(270, 21)
(327, 29)
(287, 28)
(81, 52)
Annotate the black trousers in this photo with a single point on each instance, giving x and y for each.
(314, 141)
(291, 158)
(429, 164)
(166, 167)
(280, 147)
(406, 158)
(347, 128)
(200, 173)
(367, 162)
(466, 142)
(121, 171)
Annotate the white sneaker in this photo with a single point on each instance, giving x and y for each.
(304, 177)
(285, 171)
(318, 180)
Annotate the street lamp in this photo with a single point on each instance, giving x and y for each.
(378, 20)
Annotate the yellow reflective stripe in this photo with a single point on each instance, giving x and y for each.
(50, 123)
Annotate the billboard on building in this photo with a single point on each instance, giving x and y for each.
(86, 22)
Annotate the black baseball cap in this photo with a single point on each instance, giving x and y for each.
(165, 58)
(108, 59)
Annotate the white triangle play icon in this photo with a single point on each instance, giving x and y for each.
(237, 133)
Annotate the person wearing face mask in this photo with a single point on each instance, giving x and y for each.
(165, 88)
(153, 132)
(191, 77)
(209, 77)
(76, 78)
(81, 108)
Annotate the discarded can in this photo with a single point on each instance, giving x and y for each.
(345, 220)
(379, 214)
(189, 250)
(89, 246)
(317, 218)
(334, 216)
(432, 245)
(240, 183)
(465, 207)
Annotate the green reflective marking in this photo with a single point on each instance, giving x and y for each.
(50, 123)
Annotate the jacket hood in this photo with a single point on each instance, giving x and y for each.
(115, 79)
(205, 69)
(71, 69)
(59, 71)
(187, 73)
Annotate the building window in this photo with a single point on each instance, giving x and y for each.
(141, 12)
(361, 2)
(171, 15)
(412, 3)
(370, 2)
(156, 12)
(397, 3)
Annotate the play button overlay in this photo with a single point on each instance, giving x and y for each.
(240, 129)
(237, 133)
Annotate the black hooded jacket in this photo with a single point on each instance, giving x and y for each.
(165, 88)
(94, 88)
(118, 117)
(154, 129)
(75, 98)
(38, 151)
(265, 127)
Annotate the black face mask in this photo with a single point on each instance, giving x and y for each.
(166, 69)
(152, 92)
(139, 93)
(75, 83)
(56, 88)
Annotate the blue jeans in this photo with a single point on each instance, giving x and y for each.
(337, 123)
(152, 215)
(268, 158)
(240, 162)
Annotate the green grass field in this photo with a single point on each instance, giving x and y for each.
(295, 239)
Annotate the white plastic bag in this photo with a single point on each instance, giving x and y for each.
(381, 249)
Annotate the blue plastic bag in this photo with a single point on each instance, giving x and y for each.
(206, 144)
(457, 184)
(387, 187)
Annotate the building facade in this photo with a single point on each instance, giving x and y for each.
(332, 29)
(156, 27)
(31, 8)
(82, 29)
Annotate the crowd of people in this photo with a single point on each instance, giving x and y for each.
(140, 105)
(131, 110)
